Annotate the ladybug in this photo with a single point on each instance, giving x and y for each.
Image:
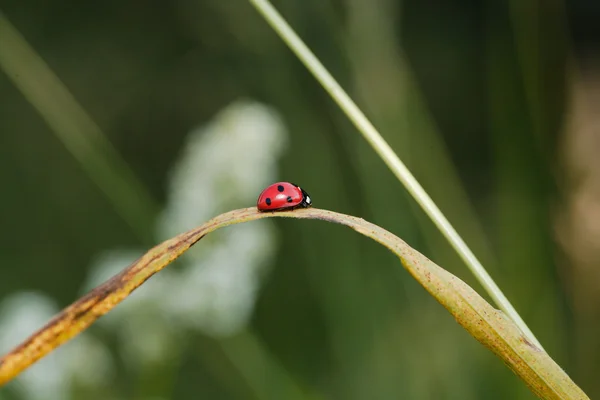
(283, 196)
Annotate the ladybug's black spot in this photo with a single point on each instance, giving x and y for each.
(280, 188)
(289, 199)
(268, 201)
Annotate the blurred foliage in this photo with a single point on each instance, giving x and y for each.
(472, 95)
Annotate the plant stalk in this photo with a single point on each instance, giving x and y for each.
(370, 133)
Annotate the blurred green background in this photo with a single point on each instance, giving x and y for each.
(494, 105)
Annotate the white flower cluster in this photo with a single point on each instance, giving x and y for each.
(50, 379)
(213, 289)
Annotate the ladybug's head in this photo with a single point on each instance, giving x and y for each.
(306, 201)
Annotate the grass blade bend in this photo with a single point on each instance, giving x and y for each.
(486, 324)
(390, 158)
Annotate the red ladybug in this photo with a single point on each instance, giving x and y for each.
(283, 196)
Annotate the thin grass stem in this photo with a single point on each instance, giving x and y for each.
(366, 128)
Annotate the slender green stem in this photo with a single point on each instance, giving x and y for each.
(375, 139)
(74, 127)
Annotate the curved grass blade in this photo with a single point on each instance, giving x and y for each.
(486, 324)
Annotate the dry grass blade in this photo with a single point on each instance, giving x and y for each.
(488, 325)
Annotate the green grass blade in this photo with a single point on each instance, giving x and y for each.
(391, 159)
(73, 126)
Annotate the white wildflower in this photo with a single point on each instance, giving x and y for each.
(224, 165)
